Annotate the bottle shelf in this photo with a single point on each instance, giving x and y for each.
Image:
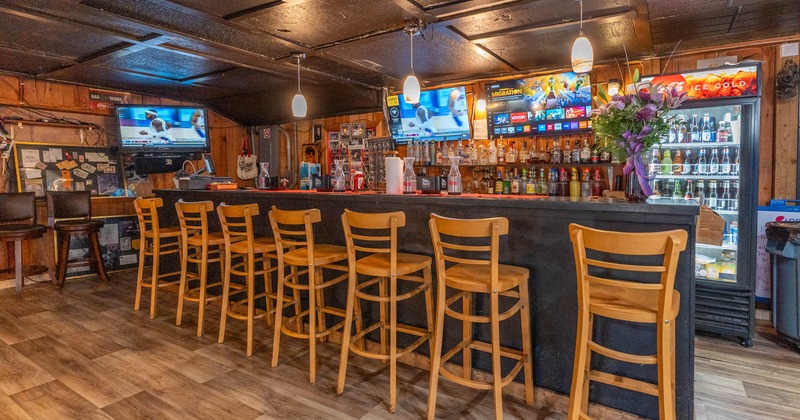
(707, 145)
(523, 165)
(700, 177)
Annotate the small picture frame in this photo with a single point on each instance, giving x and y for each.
(311, 153)
(358, 130)
(333, 136)
(370, 133)
(344, 130)
(317, 133)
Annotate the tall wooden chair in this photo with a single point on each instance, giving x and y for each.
(294, 230)
(365, 233)
(70, 214)
(652, 302)
(18, 224)
(242, 252)
(154, 242)
(199, 247)
(457, 244)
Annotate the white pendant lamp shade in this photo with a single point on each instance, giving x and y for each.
(481, 105)
(582, 55)
(411, 89)
(299, 106)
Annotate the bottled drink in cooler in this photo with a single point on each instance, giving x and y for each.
(694, 130)
(683, 132)
(701, 193)
(689, 195)
(677, 193)
(725, 164)
(702, 163)
(723, 132)
(688, 162)
(672, 134)
(734, 204)
(655, 162)
(666, 163)
(705, 130)
(713, 163)
(711, 200)
(735, 164)
(677, 162)
(724, 202)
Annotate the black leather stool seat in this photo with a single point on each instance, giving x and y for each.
(18, 232)
(78, 225)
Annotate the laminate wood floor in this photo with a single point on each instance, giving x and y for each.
(82, 352)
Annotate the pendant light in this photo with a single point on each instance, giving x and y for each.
(613, 87)
(411, 87)
(582, 53)
(299, 106)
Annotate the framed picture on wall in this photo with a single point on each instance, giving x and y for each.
(317, 133)
(370, 133)
(311, 153)
(333, 136)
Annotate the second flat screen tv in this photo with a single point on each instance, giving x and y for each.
(160, 128)
(440, 115)
(541, 105)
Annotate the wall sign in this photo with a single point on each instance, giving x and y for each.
(103, 100)
(723, 82)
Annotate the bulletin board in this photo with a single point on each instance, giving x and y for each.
(59, 167)
(118, 238)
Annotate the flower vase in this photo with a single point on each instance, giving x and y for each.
(633, 191)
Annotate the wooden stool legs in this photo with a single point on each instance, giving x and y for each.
(95, 257)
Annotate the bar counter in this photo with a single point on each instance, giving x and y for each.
(538, 240)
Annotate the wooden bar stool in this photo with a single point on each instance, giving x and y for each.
(457, 268)
(241, 245)
(366, 233)
(294, 230)
(198, 247)
(76, 206)
(18, 224)
(152, 244)
(654, 302)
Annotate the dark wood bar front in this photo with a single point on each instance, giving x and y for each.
(538, 240)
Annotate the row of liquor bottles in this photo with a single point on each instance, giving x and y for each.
(569, 150)
(718, 162)
(556, 182)
(720, 195)
(705, 131)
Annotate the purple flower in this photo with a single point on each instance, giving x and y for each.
(616, 104)
(645, 131)
(627, 99)
(658, 99)
(674, 99)
(644, 95)
(647, 112)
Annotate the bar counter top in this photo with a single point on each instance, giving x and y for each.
(538, 239)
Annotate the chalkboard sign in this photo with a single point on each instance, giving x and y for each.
(59, 167)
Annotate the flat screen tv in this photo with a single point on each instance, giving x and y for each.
(440, 115)
(541, 105)
(161, 128)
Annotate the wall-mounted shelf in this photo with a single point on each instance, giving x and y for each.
(8, 122)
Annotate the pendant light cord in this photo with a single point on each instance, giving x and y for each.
(411, 35)
(298, 74)
(581, 1)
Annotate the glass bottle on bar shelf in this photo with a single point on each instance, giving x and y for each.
(439, 154)
(473, 152)
(546, 156)
(682, 130)
(523, 153)
(666, 163)
(409, 177)
(689, 195)
(492, 152)
(605, 154)
(702, 163)
(534, 153)
(507, 182)
(454, 177)
(566, 154)
(595, 156)
(498, 183)
(489, 182)
(677, 162)
(339, 180)
(263, 180)
(597, 184)
(655, 162)
(501, 152)
(574, 184)
(511, 153)
(432, 152)
(725, 163)
(688, 162)
(460, 151)
(705, 130)
(586, 186)
(694, 130)
(713, 163)
(445, 154)
(516, 182)
(586, 153)
(711, 200)
(576, 152)
(426, 153)
(557, 151)
(451, 151)
(700, 197)
(530, 184)
(552, 183)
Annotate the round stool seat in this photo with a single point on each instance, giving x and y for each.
(78, 225)
(379, 265)
(323, 254)
(19, 232)
(259, 246)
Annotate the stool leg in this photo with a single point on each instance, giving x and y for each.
(268, 289)
(383, 293)
(436, 354)
(226, 283)
(429, 315)
(182, 287)
(251, 307)
(359, 322)
(666, 399)
(497, 373)
(312, 323)
(348, 321)
(297, 304)
(525, 323)
(63, 258)
(98, 257)
(19, 280)
(393, 343)
(140, 278)
(276, 334)
(154, 276)
(322, 326)
(580, 377)
(201, 302)
(588, 367)
(466, 334)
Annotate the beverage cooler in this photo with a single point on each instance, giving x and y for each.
(711, 156)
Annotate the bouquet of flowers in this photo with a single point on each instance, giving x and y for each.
(629, 125)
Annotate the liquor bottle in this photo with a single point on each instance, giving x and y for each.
(552, 183)
(655, 162)
(530, 182)
(511, 153)
(586, 153)
(574, 184)
(689, 195)
(605, 155)
(411, 150)
(473, 153)
(676, 191)
(432, 147)
(557, 150)
(490, 183)
(546, 156)
(451, 151)
(426, 153)
(439, 154)
(595, 156)
(734, 205)
(597, 184)
(445, 154)
(683, 131)
(498, 183)
(724, 202)
(541, 183)
(711, 200)
(534, 153)
(702, 163)
(460, 151)
(567, 153)
(713, 163)
(725, 164)
(705, 130)
(523, 154)
(694, 130)
(492, 153)
(701, 192)
(501, 152)
(419, 153)
(677, 162)
(516, 182)
(507, 182)
(562, 187)
(409, 177)
(688, 162)
(723, 131)
(576, 152)
(586, 186)
(666, 163)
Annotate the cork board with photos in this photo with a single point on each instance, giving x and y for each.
(59, 167)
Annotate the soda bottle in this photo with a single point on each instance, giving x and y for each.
(666, 163)
(688, 162)
(713, 164)
(705, 130)
(702, 164)
(655, 162)
(694, 130)
(725, 165)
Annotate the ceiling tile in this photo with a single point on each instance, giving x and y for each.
(165, 64)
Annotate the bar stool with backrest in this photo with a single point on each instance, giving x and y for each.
(385, 267)
(456, 243)
(242, 245)
(18, 224)
(294, 229)
(76, 207)
(652, 302)
(198, 247)
(154, 242)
